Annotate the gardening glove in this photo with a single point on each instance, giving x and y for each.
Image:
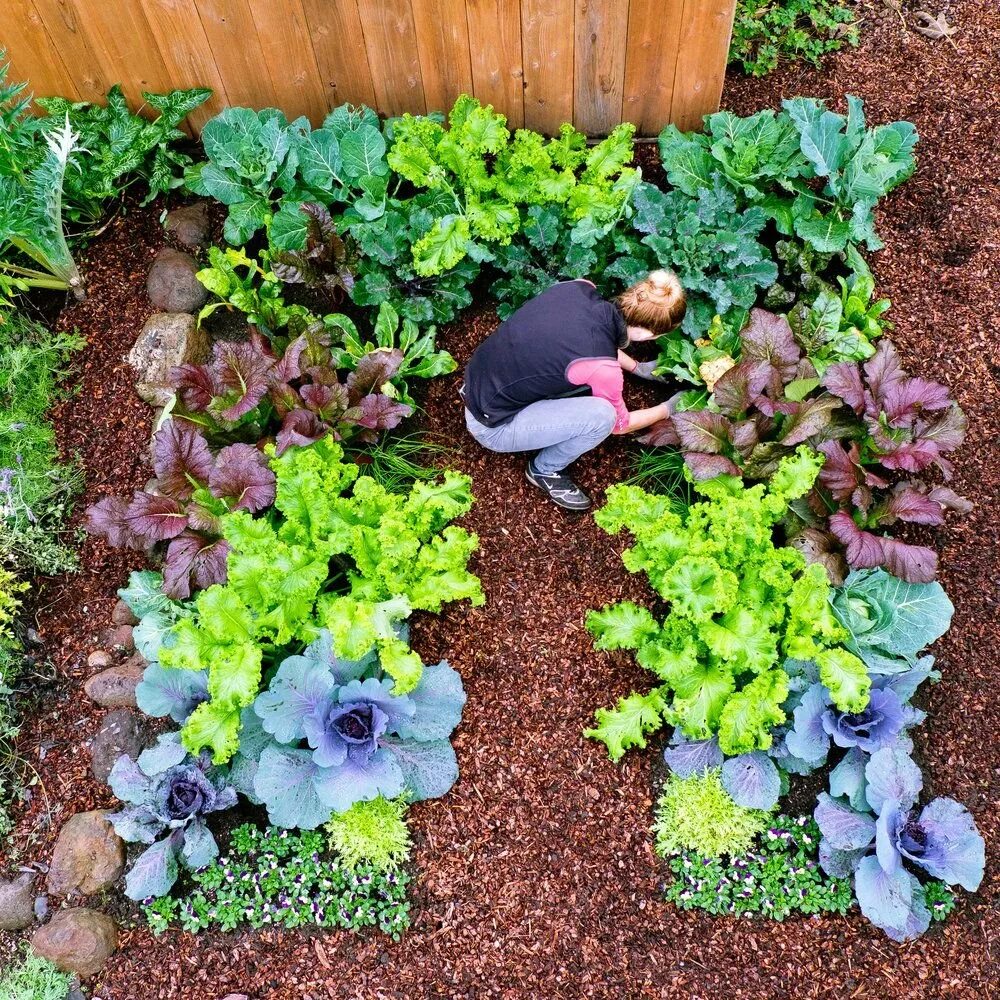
(644, 370)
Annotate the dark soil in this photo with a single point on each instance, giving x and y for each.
(537, 878)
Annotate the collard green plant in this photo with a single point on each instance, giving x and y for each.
(263, 167)
(766, 32)
(168, 795)
(485, 178)
(739, 608)
(330, 733)
(335, 552)
(815, 173)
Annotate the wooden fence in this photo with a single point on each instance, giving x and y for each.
(541, 62)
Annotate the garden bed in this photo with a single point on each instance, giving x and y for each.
(536, 873)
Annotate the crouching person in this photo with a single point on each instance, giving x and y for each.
(523, 383)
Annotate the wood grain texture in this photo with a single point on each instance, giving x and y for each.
(707, 26)
(547, 43)
(35, 59)
(64, 25)
(339, 46)
(495, 49)
(599, 64)
(539, 62)
(186, 53)
(232, 36)
(651, 63)
(289, 59)
(442, 32)
(391, 43)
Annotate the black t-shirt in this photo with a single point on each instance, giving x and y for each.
(526, 359)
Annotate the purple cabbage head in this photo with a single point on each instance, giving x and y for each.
(877, 725)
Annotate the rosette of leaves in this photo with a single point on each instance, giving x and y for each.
(263, 167)
(739, 608)
(386, 273)
(248, 390)
(329, 733)
(871, 423)
(194, 488)
(760, 409)
(335, 552)
(817, 174)
(873, 830)
(326, 261)
(407, 351)
(905, 425)
(712, 245)
(168, 794)
(484, 178)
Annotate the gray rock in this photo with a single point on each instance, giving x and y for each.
(88, 857)
(41, 907)
(115, 687)
(121, 614)
(168, 339)
(17, 899)
(189, 224)
(118, 638)
(99, 658)
(78, 940)
(120, 732)
(171, 284)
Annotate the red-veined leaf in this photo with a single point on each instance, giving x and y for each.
(243, 478)
(182, 460)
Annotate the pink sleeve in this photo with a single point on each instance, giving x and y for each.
(604, 376)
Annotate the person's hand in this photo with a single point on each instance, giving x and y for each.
(644, 370)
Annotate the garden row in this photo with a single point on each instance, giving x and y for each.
(292, 544)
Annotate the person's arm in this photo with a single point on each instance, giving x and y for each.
(604, 376)
(626, 363)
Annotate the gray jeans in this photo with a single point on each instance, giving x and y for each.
(561, 430)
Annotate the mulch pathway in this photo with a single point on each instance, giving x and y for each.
(536, 874)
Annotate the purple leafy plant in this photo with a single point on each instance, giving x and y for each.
(876, 427)
(193, 488)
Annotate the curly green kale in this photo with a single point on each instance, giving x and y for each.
(739, 606)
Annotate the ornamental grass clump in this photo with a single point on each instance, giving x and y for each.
(698, 814)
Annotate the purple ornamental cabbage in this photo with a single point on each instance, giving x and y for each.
(167, 792)
(329, 732)
(942, 839)
(877, 725)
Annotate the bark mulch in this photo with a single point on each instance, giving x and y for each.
(536, 875)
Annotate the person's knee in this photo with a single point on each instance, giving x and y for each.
(604, 416)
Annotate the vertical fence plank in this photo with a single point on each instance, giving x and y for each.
(232, 37)
(122, 42)
(339, 45)
(289, 59)
(64, 25)
(35, 59)
(495, 48)
(392, 55)
(599, 65)
(701, 60)
(186, 53)
(547, 44)
(654, 28)
(442, 32)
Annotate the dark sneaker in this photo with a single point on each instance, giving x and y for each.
(560, 488)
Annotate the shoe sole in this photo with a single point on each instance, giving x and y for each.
(559, 503)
